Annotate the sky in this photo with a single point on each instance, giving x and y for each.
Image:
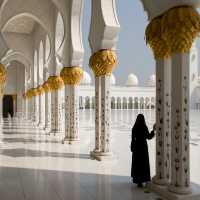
(134, 56)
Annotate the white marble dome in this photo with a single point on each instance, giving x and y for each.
(86, 80)
(112, 80)
(152, 81)
(132, 80)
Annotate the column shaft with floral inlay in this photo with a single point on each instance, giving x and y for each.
(97, 116)
(47, 90)
(179, 35)
(102, 63)
(35, 98)
(71, 77)
(161, 53)
(55, 84)
(180, 178)
(41, 113)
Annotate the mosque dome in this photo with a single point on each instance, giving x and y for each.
(132, 80)
(112, 80)
(152, 81)
(86, 80)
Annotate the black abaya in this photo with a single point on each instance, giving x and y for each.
(140, 170)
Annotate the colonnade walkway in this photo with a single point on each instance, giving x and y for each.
(36, 166)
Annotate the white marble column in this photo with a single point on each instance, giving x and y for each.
(97, 148)
(35, 110)
(83, 103)
(180, 163)
(42, 110)
(105, 116)
(30, 108)
(56, 114)
(25, 108)
(71, 113)
(163, 118)
(47, 112)
(53, 112)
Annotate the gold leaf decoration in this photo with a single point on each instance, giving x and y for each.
(2, 74)
(55, 82)
(155, 40)
(180, 27)
(103, 62)
(40, 90)
(46, 86)
(72, 75)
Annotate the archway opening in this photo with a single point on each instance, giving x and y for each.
(8, 106)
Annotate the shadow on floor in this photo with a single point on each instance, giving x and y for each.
(29, 132)
(34, 153)
(28, 141)
(35, 184)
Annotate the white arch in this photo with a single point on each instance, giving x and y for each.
(25, 14)
(18, 56)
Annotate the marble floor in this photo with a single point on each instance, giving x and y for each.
(36, 166)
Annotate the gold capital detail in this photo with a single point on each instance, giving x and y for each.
(40, 90)
(55, 82)
(72, 75)
(103, 62)
(46, 86)
(2, 74)
(180, 27)
(33, 92)
(155, 40)
(173, 32)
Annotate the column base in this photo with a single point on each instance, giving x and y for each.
(41, 126)
(70, 140)
(47, 130)
(158, 181)
(164, 192)
(56, 132)
(100, 156)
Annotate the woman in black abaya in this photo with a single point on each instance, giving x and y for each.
(140, 171)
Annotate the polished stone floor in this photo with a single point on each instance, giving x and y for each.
(36, 166)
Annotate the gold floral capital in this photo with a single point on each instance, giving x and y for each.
(103, 62)
(33, 92)
(155, 40)
(72, 75)
(46, 86)
(2, 74)
(180, 27)
(28, 94)
(55, 82)
(40, 90)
